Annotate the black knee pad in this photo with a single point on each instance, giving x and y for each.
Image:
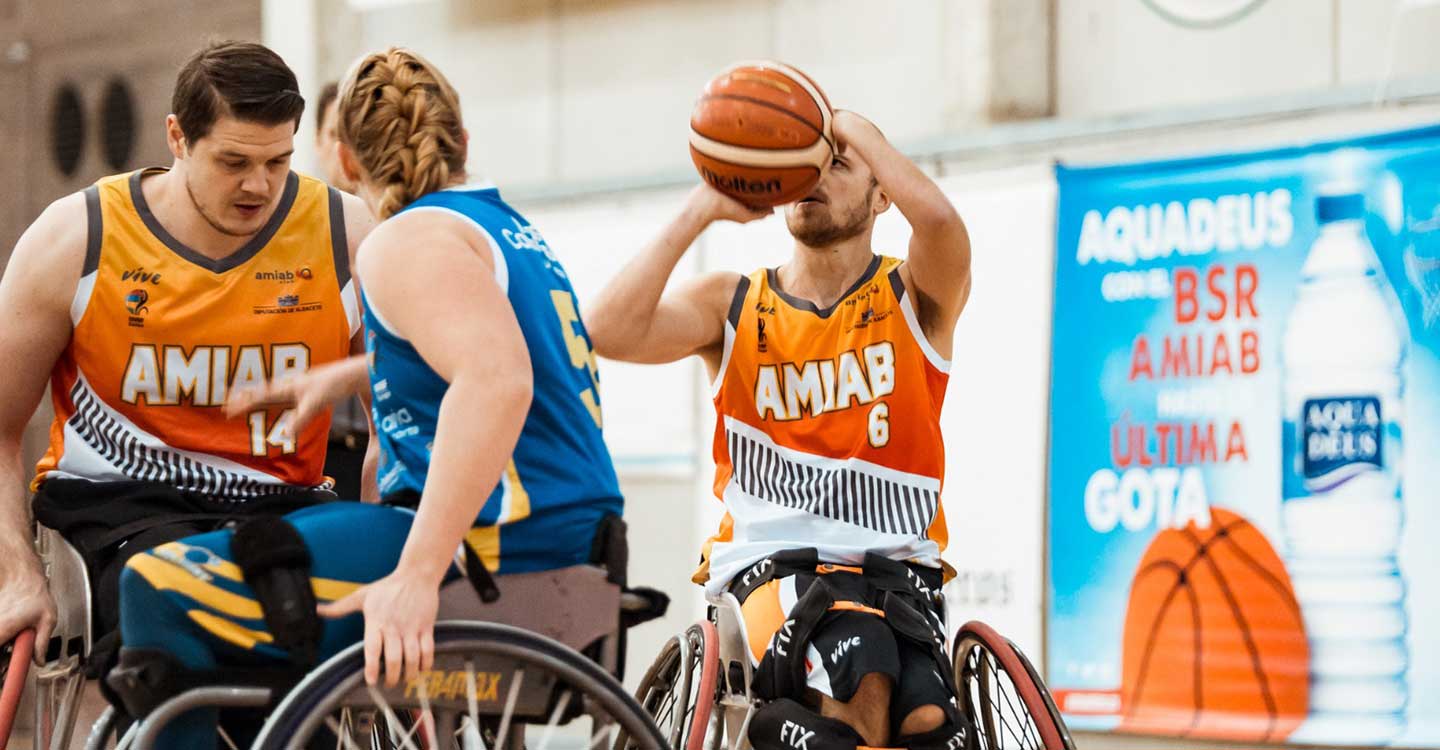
(783, 724)
(143, 678)
(276, 563)
(957, 733)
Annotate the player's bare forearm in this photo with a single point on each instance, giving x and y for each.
(469, 459)
(635, 320)
(17, 540)
(924, 205)
(939, 255)
(620, 319)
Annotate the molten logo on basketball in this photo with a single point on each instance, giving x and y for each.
(737, 184)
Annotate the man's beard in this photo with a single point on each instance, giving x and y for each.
(827, 232)
(212, 221)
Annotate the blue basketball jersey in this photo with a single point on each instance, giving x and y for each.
(560, 481)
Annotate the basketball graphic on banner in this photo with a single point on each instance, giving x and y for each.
(1214, 639)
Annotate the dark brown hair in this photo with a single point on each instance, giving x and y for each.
(244, 80)
(402, 119)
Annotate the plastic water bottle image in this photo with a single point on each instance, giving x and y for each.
(1343, 355)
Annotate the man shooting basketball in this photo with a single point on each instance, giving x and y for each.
(828, 376)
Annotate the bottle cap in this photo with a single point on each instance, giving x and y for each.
(1342, 207)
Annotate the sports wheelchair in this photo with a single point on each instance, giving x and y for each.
(698, 690)
(520, 684)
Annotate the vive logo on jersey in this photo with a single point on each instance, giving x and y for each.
(140, 275)
(791, 391)
(164, 375)
(1342, 438)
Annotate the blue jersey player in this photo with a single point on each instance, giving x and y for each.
(485, 400)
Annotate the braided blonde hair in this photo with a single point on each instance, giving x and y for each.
(402, 119)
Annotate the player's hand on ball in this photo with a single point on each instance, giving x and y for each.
(714, 205)
(844, 124)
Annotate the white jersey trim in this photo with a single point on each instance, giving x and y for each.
(912, 321)
(350, 297)
(729, 345)
(502, 270)
(81, 301)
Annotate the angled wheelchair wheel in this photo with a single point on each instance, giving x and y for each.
(492, 686)
(680, 689)
(1004, 695)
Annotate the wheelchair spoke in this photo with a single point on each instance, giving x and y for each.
(509, 710)
(555, 715)
(224, 736)
(391, 720)
(605, 737)
(427, 716)
(470, 688)
(342, 731)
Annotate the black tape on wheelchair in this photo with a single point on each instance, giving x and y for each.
(146, 677)
(273, 558)
(786, 725)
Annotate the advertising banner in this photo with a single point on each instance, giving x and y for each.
(1244, 460)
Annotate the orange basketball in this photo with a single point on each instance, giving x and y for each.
(760, 133)
(1214, 641)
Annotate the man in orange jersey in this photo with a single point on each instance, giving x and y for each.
(828, 376)
(148, 298)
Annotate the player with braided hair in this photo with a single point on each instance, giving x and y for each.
(488, 425)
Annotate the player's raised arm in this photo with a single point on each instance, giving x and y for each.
(938, 263)
(635, 320)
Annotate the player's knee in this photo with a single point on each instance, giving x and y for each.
(867, 711)
(923, 719)
(934, 727)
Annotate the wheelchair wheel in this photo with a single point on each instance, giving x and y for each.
(14, 665)
(1004, 695)
(679, 690)
(491, 686)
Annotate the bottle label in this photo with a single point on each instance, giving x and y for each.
(1341, 439)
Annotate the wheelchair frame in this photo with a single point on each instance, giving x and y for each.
(59, 684)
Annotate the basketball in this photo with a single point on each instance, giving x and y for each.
(760, 133)
(1214, 639)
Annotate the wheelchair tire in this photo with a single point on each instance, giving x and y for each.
(302, 713)
(986, 664)
(16, 655)
(690, 662)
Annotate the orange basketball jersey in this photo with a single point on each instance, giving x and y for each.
(827, 430)
(163, 334)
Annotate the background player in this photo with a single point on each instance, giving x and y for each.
(486, 399)
(145, 299)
